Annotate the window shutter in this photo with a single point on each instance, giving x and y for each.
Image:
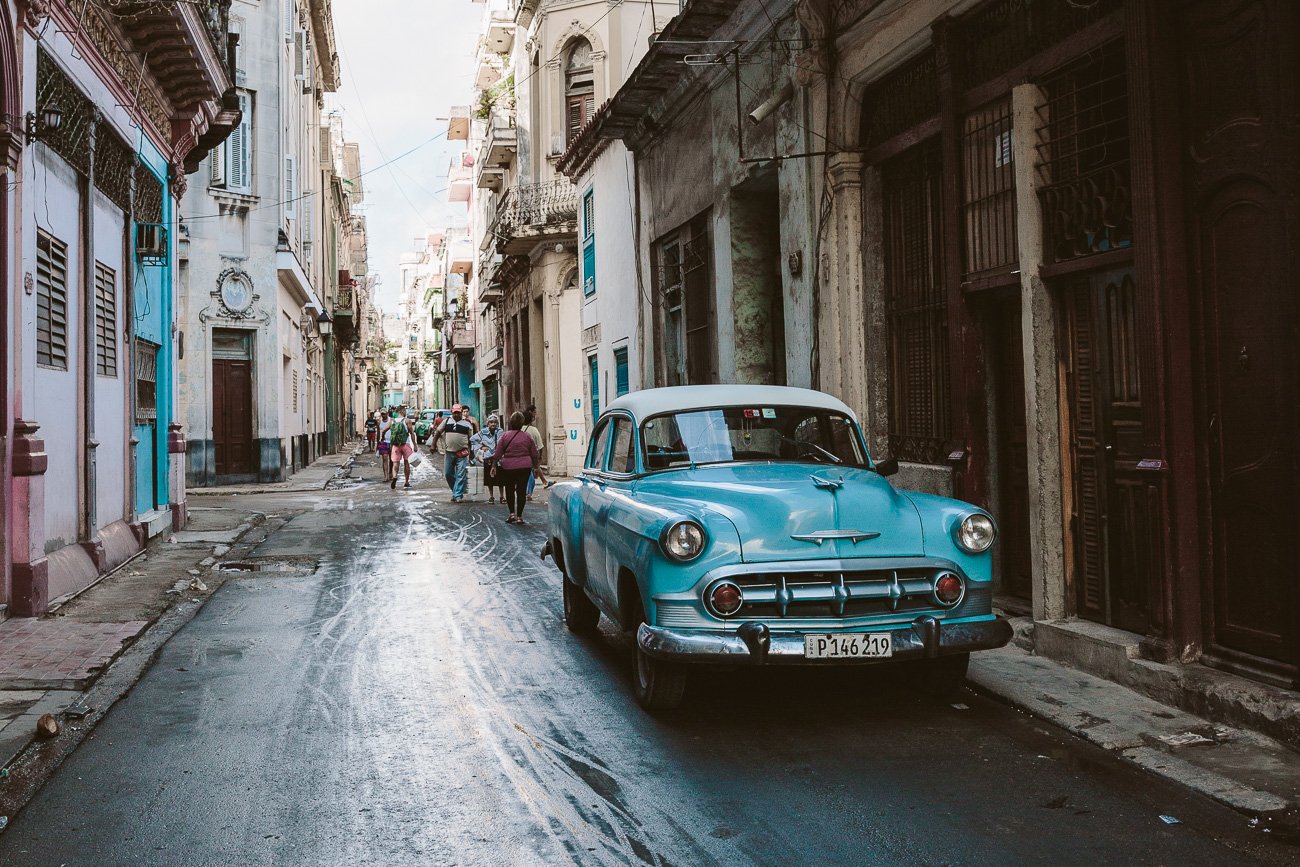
(105, 320)
(574, 123)
(593, 368)
(290, 20)
(620, 372)
(51, 302)
(290, 186)
(241, 148)
(300, 56)
(217, 164)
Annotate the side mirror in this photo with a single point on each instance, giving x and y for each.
(887, 467)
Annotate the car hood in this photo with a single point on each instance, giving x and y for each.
(773, 503)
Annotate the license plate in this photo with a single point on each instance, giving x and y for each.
(872, 645)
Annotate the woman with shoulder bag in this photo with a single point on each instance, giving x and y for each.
(517, 457)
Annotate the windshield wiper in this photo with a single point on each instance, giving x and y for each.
(834, 458)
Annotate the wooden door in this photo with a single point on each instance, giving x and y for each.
(1242, 61)
(1012, 451)
(232, 416)
(1114, 542)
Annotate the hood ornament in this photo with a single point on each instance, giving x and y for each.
(819, 536)
(828, 484)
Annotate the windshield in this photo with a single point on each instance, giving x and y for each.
(758, 433)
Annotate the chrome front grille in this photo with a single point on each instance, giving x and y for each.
(839, 594)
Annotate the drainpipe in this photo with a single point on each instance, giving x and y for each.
(88, 331)
(128, 366)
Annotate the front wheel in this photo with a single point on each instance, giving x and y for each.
(580, 614)
(659, 685)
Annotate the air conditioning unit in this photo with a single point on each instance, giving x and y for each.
(151, 243)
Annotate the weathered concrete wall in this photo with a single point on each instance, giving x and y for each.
(1048, 509)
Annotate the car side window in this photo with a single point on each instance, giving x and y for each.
(622, 459)
(599, 447)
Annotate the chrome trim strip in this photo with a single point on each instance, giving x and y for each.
(819, 536)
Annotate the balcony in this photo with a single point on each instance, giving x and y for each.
(462, 336)
(499, 32)
(488, 69)
(458, 123)
(531, 214)
(500, 141)
(460, 178)
(460, 257)
(187, 50)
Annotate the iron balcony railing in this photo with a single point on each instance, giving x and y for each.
(534, 206)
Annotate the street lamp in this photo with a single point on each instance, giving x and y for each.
(326, 324)
(45, 122)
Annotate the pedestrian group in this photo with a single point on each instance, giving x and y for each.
(511, 460)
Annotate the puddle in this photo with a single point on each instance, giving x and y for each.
(270, 567)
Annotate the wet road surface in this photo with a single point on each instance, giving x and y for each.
(398, 687)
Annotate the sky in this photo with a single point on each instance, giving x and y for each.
(404, 63)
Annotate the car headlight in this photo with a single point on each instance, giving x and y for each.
(683, 541)
(975, 534)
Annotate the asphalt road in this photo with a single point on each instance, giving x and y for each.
(403, 691)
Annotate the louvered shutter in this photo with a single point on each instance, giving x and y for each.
(620, 372)
(300, 56)
(290, 20)
(1089, 469)
(242, 151)
(217, 165)
(290, 186)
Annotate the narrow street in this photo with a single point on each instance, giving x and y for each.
(393, 684)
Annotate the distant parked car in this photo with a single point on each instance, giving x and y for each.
(428, 421)
(747, 524)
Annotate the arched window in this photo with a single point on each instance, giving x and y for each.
(579, 89)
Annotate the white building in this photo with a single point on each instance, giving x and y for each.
(255, 275)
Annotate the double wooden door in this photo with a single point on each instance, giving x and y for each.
(1113, 499)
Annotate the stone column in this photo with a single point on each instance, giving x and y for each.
(1047, 509)
(176, 450)
(843, 362)
(31, 574)
(876, 349)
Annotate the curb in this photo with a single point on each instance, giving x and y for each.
(1131, 743)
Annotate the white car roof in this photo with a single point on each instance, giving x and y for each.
(682, 398)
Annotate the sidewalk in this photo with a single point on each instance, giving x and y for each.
(310, 478)
(1245, 770)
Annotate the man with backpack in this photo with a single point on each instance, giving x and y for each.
(400, 436)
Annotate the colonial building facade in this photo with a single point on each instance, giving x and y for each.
(1042, 248)
(543, 68)
(105, 111)
(265, 277)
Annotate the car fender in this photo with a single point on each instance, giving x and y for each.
(638, 519)
(939, 519)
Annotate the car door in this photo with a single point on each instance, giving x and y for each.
(620, 472)
(594, 500)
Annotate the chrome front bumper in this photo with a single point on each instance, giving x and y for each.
(754, 643)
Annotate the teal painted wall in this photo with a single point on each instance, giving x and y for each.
(154, 306)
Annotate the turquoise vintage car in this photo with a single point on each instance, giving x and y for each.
(747, 524)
